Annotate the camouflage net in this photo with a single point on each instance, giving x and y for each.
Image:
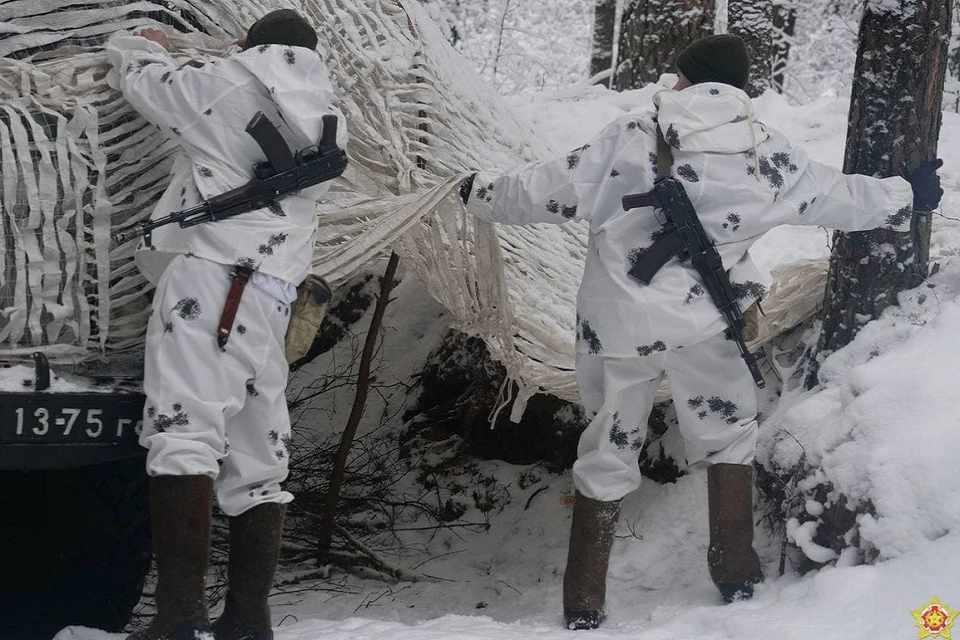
(77, 161)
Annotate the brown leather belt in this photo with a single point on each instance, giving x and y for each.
(239, 278)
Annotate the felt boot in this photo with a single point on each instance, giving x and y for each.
(254, 550)
(585, 579)
(734, 564)
(180, 517)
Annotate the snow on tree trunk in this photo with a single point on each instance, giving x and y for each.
(752, 20)
(654, 32)
(894, 125)
(604, 23)
(784, 28)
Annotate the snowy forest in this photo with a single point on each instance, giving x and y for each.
(436, 417)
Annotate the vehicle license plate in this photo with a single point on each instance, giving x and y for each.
(70, 418)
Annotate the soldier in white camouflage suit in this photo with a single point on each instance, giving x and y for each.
(216, 418)
(743, 178)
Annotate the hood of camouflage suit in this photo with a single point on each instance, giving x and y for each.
(710, 117)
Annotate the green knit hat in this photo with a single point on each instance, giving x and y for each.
(283, 26)
(721, 58)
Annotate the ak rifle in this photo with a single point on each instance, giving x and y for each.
(282, 174)
(684, 236)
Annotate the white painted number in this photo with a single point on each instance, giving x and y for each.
(19, 421)
(121, 424)
(43, 416)
(93, 418)
(73, 413)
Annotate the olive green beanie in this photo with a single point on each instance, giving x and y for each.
(283, 26)
(721, 58)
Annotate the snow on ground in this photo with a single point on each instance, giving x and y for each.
(886, 425)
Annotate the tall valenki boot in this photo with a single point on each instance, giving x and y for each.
(180, 514)
(585, 579)
(254, 550)
(734, 564)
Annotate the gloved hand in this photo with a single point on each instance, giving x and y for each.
(926, 186)
(466, 187)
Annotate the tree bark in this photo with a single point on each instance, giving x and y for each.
(654, 32)
(784, 28)
(325, 535)
(604, 24)
(894, 125)
(752, 20)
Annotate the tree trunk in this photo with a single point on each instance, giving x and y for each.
(654, 32)
(752, 20)
(784, 28)
(604, 24)
(895, 114)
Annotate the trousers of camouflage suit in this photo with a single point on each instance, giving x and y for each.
(211, 411)
(715, 399)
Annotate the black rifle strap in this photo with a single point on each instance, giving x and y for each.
(664, 157)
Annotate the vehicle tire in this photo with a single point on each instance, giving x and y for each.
(76, 548)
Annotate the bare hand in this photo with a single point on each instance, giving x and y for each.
(155, 35)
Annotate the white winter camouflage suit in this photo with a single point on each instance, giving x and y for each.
(743, 179)
(212, 412)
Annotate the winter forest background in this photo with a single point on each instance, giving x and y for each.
(527, 46)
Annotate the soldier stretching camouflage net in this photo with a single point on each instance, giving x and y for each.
(77, 161)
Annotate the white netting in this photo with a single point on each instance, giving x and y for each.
(76, 160)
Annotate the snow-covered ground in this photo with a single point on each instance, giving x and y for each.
(885, 427)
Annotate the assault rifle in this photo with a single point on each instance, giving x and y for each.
(685, 237)
(282, 174)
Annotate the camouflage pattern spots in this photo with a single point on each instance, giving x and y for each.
(748, 290)
(695, 291)
(484, 192)
(614, 173)
(573, 158)
(272, 243)
(672, 137)
(289, 56)
(205, 172)
(277, 210)
(649, 349)
(588, 335)
(188, 309)
(566, 211)
(163, 421)
(688, 173)
(900, 218)
(725, 409)
(733, 222)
